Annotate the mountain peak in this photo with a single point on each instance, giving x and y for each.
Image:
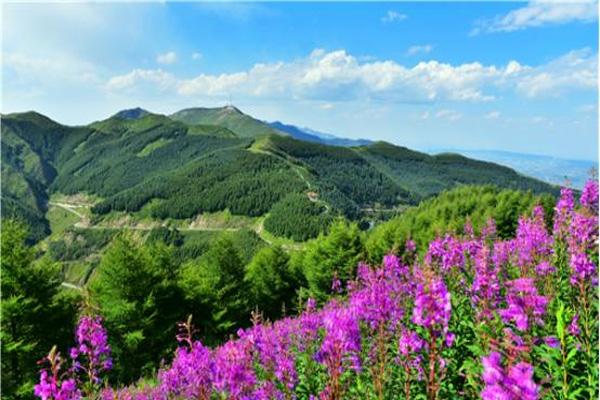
(232, 109)
(132, 113)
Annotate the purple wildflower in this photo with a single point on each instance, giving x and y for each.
(544, 268)
(91, 355)
(432, 305)
(515, 384)
(51, 385)
(447, 252)
(573, 328)
(342, 340)
(485, 291)
(552, 341)
(191, 373)
(532, 240)
(563, 211)
(410, 246)
(524, 304)
(589, 196)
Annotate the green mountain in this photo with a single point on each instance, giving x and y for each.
(208, 160)
(32, 146)
(229, 117)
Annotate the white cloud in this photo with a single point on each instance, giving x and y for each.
(492, 115)
(393, 16)
(326, 106)
(544, 121)
(334, 76)
(574, 70)
(425, 115)
(47, 70)
(419, 49)
(196, 56)
(450, 115)
(588, 108)
(539, 13)
(167, 58)
(161, 79)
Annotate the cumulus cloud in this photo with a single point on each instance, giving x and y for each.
(540, 13)
(450, 115)
(54, 69)
(393, 16)
(337, 75)
(161, 79)
(196, 56)
(422, 49)
(492, 115)
(167, 58)
(574, 70)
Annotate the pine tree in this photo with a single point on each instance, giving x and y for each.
(269, 281)
(333, 255)
(137, 293)
(34, 313)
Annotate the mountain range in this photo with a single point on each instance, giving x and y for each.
(555, 170)
(202, 160)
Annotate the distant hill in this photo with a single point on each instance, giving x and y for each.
(553, 170)
(205, 160)
(310, 135)
(133, 113)
(229, 117)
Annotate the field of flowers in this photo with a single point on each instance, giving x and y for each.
(476, 317)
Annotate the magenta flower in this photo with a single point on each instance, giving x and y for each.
(342, 342)
(432, 305)
(563, 211)
(53, 385)
(91, 355)
(573, 328)
(191, 373)
(524, 305)
(234, 371)
(582, 267)
(589, 196)
(544, 268)
(515, 384)
(532, 242)
(410, 246)
(485, 291)
(552, 341)
(448, 253)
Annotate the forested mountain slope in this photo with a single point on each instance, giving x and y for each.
(32, 146)
(204, 160)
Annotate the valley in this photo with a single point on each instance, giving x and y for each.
(204, 171)
(211, 160)
(211, 212)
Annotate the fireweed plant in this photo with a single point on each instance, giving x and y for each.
(476, 318)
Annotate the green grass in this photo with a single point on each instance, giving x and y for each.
(150, 147)
(76, 272)
(275, 240)
(60, 219)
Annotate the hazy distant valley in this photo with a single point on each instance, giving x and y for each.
(555, 170)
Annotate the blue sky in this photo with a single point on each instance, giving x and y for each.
(510, 76)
